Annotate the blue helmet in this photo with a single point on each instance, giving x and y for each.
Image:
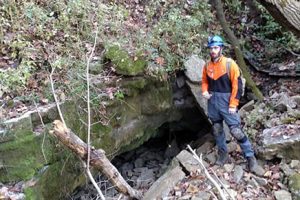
(215, 41)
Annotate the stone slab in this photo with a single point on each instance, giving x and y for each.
(164, 184)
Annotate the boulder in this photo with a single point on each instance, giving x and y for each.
(282, 194)
(48, 113)
(246, 108)
(284, 103)
(165, 184)
(296, 99)
(261, 181)
(285, 168)
(281, 141)
(204, 148)
(193, 68)
(187, 160)
(21, 149)
(197, 93)
(238, 173)
(295, 164)
(211, 157)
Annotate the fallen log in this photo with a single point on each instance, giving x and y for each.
(98, 159)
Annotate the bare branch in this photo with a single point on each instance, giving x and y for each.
(44, 136)
(89, 120)
(222, 184)
(55, 98)
(207, 173)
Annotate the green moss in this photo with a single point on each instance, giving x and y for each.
(15, 128)
(294, 185)
(123, 63)
(123, 111)
(288, 120)
(98, 130)
(101, 137)
(71, 116)
(133, 86)
(22, 157)
(30, 194)
(59, 179)
(156, 101)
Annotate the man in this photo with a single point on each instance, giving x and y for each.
(223, 90)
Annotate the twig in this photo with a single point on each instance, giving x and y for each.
(120, 197)
(44, 136)
(55, 98)
(222, 184)
(207, 173)
(89, 120)
(213, 195)
(62, 169)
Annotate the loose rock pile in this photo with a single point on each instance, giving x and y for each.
(280, 182)
(274, 126)
(140, 168)
(13, 191)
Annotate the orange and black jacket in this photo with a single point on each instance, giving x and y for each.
(216, 79)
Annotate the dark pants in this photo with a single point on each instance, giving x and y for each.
(218, 106)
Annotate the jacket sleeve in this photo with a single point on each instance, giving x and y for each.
(234, 77)
(204, 79)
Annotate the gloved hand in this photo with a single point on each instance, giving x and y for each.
(232, 110)
(206, 95)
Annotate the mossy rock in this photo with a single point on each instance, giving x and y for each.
(294, 185)
(132, 121)
(123, 63)
(23, 157)
(133, 86)
(58, 180)
(141, 136)
(15, 128)
(157, 100)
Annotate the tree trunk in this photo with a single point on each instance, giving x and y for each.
(98, 159)
(285, 12)
(237, 50)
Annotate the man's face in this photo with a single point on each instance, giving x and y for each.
(215, 51)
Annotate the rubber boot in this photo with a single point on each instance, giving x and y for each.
(222, 158)
(254, 167)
